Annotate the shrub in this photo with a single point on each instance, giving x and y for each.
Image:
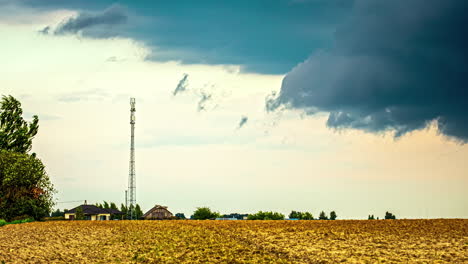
(3, 222)
(203, 213)
(266, 216)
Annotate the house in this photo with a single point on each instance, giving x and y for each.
(92, 212)
(158, 212)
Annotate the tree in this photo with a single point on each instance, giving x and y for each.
(138, 212)
(57, 213)
(180, 216)
(323, 216)
(294, 214)
(266, 216)
(79, 215)
(203, 213)
(106, 205)
(301, 215)
(333, 215)
(307, 216)
(389, 215)
(25, 188)
(371, 217)
(124, 210)
(16, 134)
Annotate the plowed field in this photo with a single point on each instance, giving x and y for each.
(349, 241)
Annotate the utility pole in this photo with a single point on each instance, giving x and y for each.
(131, 176)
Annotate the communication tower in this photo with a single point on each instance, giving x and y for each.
(131, 176)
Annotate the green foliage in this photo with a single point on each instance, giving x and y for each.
(180, 216)
(57, 213)
(301, 215)
(138, 212)
(16, 134)
(266, 216)
(203, 213)
(124, 210)
(19, 221)
(79, 215)
(323, 216)
(25, 188)
(333, 215)
(389, 215)
(106, 205)
(371, 217)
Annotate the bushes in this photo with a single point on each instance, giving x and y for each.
(22, 221)
(203, 213)
(301, 215)
(266, 216)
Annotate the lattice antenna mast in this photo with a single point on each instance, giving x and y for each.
(131, 176)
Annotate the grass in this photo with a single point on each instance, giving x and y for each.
(3, 222)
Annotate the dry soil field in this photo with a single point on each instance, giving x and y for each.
(374, 241)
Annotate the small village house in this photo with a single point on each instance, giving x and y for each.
(158, 212)
(92, 212)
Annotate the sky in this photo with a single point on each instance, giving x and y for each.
(308, 105)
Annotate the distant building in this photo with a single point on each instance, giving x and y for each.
(92, 212)
(158, 212)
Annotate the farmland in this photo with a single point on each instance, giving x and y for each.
(360, 241)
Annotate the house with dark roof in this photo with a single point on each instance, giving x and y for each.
(92, 212)
(158, 212)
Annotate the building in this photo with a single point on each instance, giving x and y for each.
(92, 212)
(158, 212)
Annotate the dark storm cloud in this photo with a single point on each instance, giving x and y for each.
(242, 122)
(182, 85)
(261, 36)
(396, 65)
(94, 25)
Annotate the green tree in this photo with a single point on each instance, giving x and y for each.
(203, 213)
(323, 216)
(16, 134)
(25, 188)
(57, 213)
(301, 215)
(307, 216)
(295, 214)
(180, 216)
(333, 215)
(260, 215)
(389, 215)
(371, 217)
(79, 215)
(106, 205)
(124, 210)
(138, 212)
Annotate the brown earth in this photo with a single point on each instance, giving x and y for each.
(349, 241)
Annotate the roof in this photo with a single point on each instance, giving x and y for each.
(156, 207)
(92, 210)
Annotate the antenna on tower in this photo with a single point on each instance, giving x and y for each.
(131, 176)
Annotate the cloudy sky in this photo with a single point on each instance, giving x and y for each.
(353, 106)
